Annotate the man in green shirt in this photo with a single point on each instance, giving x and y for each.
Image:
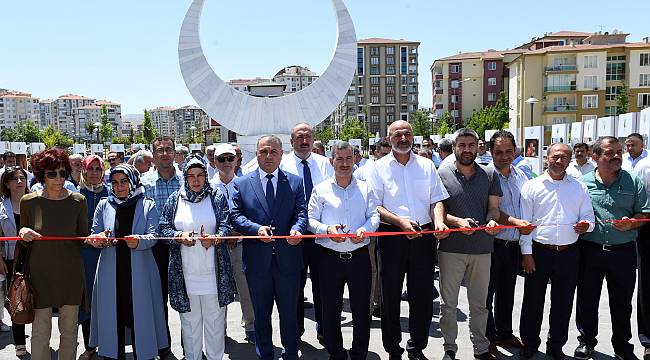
(609, 252)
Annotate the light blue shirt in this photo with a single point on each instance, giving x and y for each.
(629, 164)
(523, 165)
(510, 201)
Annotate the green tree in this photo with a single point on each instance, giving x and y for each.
(622, 100)
(421, 124)
(53, 137)
(106, 130)
(443, 125)
(28, 132)
(8, 134)
(324, 135)
(121, 140)
(148, 130)
(90, 129)
(490, 118)
(352, 129)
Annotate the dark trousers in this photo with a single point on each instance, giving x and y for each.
(643, 292)
(310, 256)
(281, 287)
(415, 259)
(506, 262)
(121, 342)
(356, 273)
(618, 266)
(161, 255)
(561, 268)
(17, 330)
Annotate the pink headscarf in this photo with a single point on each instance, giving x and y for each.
(85, 163)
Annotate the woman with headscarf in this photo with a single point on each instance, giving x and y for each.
(91, 185)
(126, 293)
(56, 266)
(13, 186)
(201, 282)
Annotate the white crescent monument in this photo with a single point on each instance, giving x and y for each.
(253, 116)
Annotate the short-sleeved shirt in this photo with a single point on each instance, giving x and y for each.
(468, 198)
(624, 197)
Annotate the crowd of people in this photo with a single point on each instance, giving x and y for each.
(165, 230)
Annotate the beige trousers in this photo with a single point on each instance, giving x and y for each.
(42, 332)
(475, 270)
(248, 317)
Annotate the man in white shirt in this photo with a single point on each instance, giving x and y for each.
(339, 205)
(408, 188)
(313, 169)
(635, 151)
(212, 167)
(483, 157)
(581, 165)
(562, 205)
(226, 159)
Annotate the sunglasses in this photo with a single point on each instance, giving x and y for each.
(53, 174)
(226, 158)
(112, 159)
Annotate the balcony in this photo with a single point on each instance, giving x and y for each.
(559, 88)
(560, 68)
(561, 108)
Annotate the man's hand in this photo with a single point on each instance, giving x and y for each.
(292, 239)
(467, 223)
(581, 227)
(334, 229)
(265, 232)
(440, 229)
(625, 224)
(359, 236)
(132, 241)
(27, 234)
(528, 263)
(527, 227)
(409, 226)
(187, 239)
(492, 224)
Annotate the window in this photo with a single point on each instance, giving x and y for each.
(374, 51)
(454, 69)
(589, 101)
(615, 70)
(591, 82)
(611, 92)
(360, 61)
(591, 61)
(644, 79)
(351, 98)
(390, 99)
(390, 80)
(610, 110)
(390, 89)
(403, 59)
(390, 109)
(492, 81)
(644, 59)
(390, 60)
(644, 100)
(374, 70)
(454, 99)
(374, 81)
(438, 84)
(455, 84)
(455, 113)
(492, 65)
(492, 97)
(374, 90)
(374, 60)
(390, 70)
(589, 117)
(374, 99)
(390, 50)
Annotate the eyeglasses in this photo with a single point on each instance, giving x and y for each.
(226, 158)
(52, 174)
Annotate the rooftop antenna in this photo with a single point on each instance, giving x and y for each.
(601, 27)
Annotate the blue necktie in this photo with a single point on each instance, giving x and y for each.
(270, 194)
(306, 178)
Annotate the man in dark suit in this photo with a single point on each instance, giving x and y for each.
(271, 202)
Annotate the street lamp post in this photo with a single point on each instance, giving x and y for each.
(433, 118)
(193, 128)
(97, 125)
(532, 101)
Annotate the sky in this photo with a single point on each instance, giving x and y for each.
(126, 50)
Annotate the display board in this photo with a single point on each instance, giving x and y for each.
(489, 133)
(36, 147)
(355, 142)
(79, 149)
(533, 145)
(18, 148)
(418, 139)
(576, 133)
(589, 131)
(97, 149)
(606, 126)
(117, 148)
(559, 134)
(644, 125)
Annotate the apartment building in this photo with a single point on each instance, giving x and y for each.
(575, 82)
(16, 106)
(162, 118)
(243, 84)
(86, 116)
(64, 112)
(295, 78)
(187, 117)
(47, 113)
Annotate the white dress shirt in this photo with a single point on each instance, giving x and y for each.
(576, 170)
(354, 206)
(228, 189)
(449, 160)
(642, 171)
(319, 165)
(362, 172)
(274, 180)
(629, 164)
(556, 205)
(407, 190)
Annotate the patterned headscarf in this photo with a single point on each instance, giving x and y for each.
(97, 188)
(186, 193)
(136, 190)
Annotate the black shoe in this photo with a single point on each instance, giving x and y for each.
(449, 355)
(405, 296)
(485, 356)
(556, 354)
(377, 313)
(583, 352)
(416, 355)
(526, 353)
(626, 355)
